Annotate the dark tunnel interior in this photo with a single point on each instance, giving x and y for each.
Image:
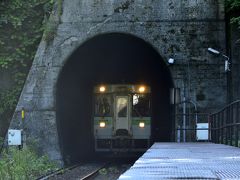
(112, 58)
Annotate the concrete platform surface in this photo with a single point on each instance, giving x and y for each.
(186, 161)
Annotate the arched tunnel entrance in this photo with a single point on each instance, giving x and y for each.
(112, 58)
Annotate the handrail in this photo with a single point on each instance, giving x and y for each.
(225, 125)
(234, 102)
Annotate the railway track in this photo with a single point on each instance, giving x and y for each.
(92, 174)
(81, 171)
(91, 170)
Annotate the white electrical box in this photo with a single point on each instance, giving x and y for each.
(202, 131)
(14, 137)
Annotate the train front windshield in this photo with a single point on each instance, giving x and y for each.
(141, 105)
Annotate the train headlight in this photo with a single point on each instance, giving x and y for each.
(102, 89)
(102, 124)
(141, 124)
(141, 89)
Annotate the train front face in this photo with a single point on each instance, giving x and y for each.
(122, 118)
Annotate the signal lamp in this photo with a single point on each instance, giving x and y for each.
(141, 125)
(141, 89)
(102, 124)
(102, 89)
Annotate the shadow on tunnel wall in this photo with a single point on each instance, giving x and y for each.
(112, 58)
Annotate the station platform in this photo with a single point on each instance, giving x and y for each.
(186, 161)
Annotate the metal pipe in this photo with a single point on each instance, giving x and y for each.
(184, 115)
(184, 119)
(195, 108)
(178, 134)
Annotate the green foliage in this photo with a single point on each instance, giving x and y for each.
(236, 20)
(16, 12)
(5, 62)
(232, 4)
(8, 100)
(233, 7)
(59, 7)
(50, 27)
(21, 27)
(1, 141)
(103, 171)
(21, 31)
(24, 164)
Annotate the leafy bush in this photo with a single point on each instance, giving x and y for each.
(22, 24)
(23, 164)
(21, 28)
(233, 7)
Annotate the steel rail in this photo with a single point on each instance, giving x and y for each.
(63, 170)
(92, 174)
(57, 172)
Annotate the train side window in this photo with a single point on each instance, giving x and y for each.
(141, 105)
(103, 104)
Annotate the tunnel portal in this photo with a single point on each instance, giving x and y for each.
(112, 58)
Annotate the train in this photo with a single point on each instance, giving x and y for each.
(122, 117)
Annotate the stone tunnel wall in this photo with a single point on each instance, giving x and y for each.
(181, 29)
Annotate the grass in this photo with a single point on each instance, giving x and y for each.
(23, 164)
